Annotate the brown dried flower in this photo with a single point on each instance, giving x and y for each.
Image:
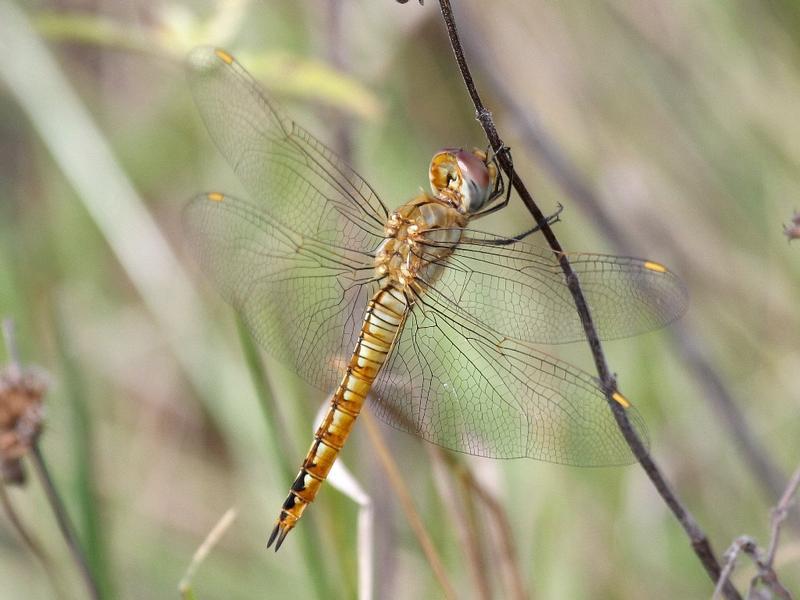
(793, 231)
(21, 418)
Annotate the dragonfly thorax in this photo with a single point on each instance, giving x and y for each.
(418, 235)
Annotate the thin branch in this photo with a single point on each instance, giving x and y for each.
(763, 560)
(64, 523)
(407, 502)
(766, 571)
(699, 541)
(777, 591)
(765, 575)
(770, 579)
(779, 514)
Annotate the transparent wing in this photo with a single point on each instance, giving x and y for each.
(303, 300)
(294, 177)
(461, 385)
(296, 261)
(520, 290)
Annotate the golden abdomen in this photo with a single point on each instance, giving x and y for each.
(382, 323)
(418, 236)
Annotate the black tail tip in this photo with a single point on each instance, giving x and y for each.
(279, 533)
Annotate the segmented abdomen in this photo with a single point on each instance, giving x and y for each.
(382, 321)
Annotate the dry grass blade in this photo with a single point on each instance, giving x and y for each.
(213, 537)
(502, 552)
(463, 518)
(407, 502)
(506, 557)
(21, 530)
(30, 542)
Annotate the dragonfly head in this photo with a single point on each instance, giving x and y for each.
(463, 179)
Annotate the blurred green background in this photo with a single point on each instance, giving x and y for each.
(681, 119)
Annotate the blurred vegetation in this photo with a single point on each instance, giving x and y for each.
(683, 117)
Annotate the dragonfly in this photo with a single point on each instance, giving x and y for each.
(436, 322)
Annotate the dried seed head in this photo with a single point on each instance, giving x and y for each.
(792, 231)
(21, 418)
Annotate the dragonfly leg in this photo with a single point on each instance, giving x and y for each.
(550, 219)
(499, 186)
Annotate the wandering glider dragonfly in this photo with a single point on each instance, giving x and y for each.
(434, 320)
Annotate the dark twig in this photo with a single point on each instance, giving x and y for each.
(63, 520)
(700, 542)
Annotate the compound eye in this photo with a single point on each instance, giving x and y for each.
(476, 185)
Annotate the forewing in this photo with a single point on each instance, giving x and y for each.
(455, 382)
(520, 290)
(302, 299)
(301, 183)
